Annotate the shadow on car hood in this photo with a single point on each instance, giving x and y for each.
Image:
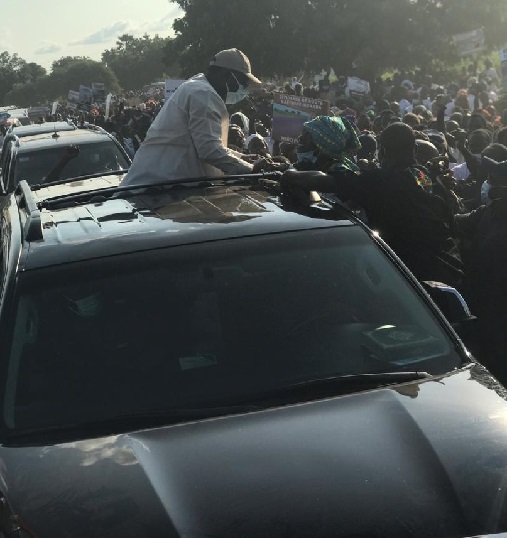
(423, 459)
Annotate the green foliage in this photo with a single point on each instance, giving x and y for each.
(266, 30)
(136, 61)
(67, 74)
(15, 70)
(23, 95)
(31, 72)
(71, 73)
(283, 37)
(65, 62)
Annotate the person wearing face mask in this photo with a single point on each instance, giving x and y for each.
(188, 138)
(399, 202)
(327, 143)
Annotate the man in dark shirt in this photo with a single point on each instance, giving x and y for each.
(399, 203)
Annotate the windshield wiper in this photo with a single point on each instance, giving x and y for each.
(190, 414)
(337, 385)
(376, 379)
(120, 424)
(70, 153)
(146, 419)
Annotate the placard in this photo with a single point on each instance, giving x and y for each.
(290, 112)
(171, 86)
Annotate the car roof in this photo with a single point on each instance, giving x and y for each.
(48, 127)
(17, 112)
(64, 138)
(132, 222)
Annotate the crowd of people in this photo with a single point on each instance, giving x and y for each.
(422, 162)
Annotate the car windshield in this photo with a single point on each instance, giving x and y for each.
(93, 158)
(194, 325)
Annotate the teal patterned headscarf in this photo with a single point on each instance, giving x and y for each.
(335, 137)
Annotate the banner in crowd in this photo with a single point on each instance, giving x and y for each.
(85, 98)
(35, 112)
(321, 76)
(171, 86)
(290, 112)
(134, 102)
(72, 99)
(503, 60)
(357, 87)
(109, 99)
(99, 91)
(332, 76)
(470, 43)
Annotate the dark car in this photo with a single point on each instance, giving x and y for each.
(30, 130)
(50, 154)
(39, 128)
(214, 359)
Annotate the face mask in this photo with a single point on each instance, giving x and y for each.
(308, 156)
(237, 96)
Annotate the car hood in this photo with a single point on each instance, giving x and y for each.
(421, 459)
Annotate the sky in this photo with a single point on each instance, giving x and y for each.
(42, 31)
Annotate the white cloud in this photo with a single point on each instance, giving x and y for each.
(162, 25)
(165, 24)
(109, 34)
(106, 34)
(49, 48)
(6, 40)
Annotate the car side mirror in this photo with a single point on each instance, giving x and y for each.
(449, 300)
(454, 307)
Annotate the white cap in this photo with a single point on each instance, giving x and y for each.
(234, 59)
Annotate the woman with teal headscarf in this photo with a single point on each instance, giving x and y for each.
(328, 143)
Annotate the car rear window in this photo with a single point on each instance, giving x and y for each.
(93, 158)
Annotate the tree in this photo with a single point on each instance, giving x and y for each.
(69, 73)
(15, 70)
(136, 61)
(366, 37)
(23, 95)
(65, 62)
(273, 37)
(30, 72)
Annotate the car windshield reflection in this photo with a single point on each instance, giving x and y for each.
(205, 323)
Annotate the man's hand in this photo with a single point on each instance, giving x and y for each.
(260, 165)
(250, 158)
(292, 180)
(461, 139)
(438, 166)
(278, 166)
(365, 164)
(473, 162)
(451, 140)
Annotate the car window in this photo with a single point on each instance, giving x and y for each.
(7, 165)
(93, 158)
(212, 322)
(3, 155)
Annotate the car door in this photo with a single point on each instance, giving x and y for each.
(7, 169)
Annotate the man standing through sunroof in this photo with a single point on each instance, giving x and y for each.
(188, 138)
